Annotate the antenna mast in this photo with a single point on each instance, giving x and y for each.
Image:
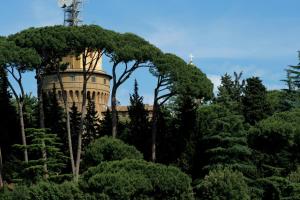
(71, 13)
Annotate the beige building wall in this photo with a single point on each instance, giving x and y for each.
(98, 86)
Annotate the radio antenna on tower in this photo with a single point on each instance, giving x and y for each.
(71, 11)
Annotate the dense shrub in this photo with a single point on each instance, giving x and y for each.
(222, 184)
(137, 179)
(109, 149)
(48, 191)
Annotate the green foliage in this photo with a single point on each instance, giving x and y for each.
(166, 139)
(9, 133)
(185, 134)
(109, 149)
(137, 179)
(39, 141)
(91, 124)
(278, 100)
(221, 184)
(276, 188)
(12, 55)
(223, 140)
(48, 191)
(181, 78)
(54, 117)
(255, 104)
(230, 92)
(275, 141)
(138, 133)
(106, 123)
(75, 127)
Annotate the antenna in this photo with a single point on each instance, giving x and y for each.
(71, 11)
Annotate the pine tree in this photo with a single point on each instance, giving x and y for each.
(139, 125)
(255, 104)
(92, 124)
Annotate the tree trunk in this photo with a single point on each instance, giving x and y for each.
(65, 100)
(114, 112)
(42, 119)
(81, 131)
(154, 131)
(1, 167)
(22, 126)
(20, 104)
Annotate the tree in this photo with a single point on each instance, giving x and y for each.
(174, 77)
(9, 134)
(52, 44)
(223, 141)
(275, 141)
(130, 53)
(16, 61)
(231, 91)
(55, 118)
(92, 125)
(255, 104)
(91, 43)
(75, 126)
(106, 123)
(41, 140)
(138, 134)
(109, 149)
(293, 76)
(186, 121)
(222, 184)
(137, 179)
(291, 97)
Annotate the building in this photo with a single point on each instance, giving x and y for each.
(98, 86)
(124, 115)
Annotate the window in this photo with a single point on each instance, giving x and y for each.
(93, 79)
(104, 81)
(72, 78)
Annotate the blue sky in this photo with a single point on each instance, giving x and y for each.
(258, 37)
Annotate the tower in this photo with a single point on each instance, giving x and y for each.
(98, 86)
(71, 12)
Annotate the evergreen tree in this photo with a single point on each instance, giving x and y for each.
(230, 92)
(40, 141)
(139, 125)
(54, 117)
(74, 122)
(292, 93)
(223, 140)
(9, 128)
(255, 104)
(106, 124)
(166, 142)
(185, 136)
(92, 125)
